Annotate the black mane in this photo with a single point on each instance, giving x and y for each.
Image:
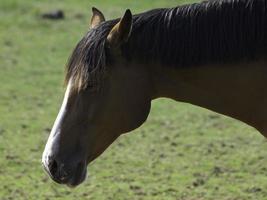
(215, 31)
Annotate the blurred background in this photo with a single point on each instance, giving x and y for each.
(181, 153)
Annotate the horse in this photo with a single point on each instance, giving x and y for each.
(211, 54)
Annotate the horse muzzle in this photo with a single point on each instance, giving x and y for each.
(71, 173)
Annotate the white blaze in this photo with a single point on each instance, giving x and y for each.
(49, 145)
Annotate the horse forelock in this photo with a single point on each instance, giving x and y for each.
(87, 63)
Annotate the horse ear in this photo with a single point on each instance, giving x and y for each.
(121, 32)
(97, 17)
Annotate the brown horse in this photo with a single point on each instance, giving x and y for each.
(211, 54)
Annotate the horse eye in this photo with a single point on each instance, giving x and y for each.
(91, 88)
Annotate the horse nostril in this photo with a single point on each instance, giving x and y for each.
(57, 171)
(53, 167)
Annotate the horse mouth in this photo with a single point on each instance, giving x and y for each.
(80, 173)
(78, 177)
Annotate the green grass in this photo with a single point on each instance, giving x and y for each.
(181, 153)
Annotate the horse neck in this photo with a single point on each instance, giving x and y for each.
(236, 90)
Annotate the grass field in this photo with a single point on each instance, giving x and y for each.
(181, 153)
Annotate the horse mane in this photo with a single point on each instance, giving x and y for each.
(214, 31)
